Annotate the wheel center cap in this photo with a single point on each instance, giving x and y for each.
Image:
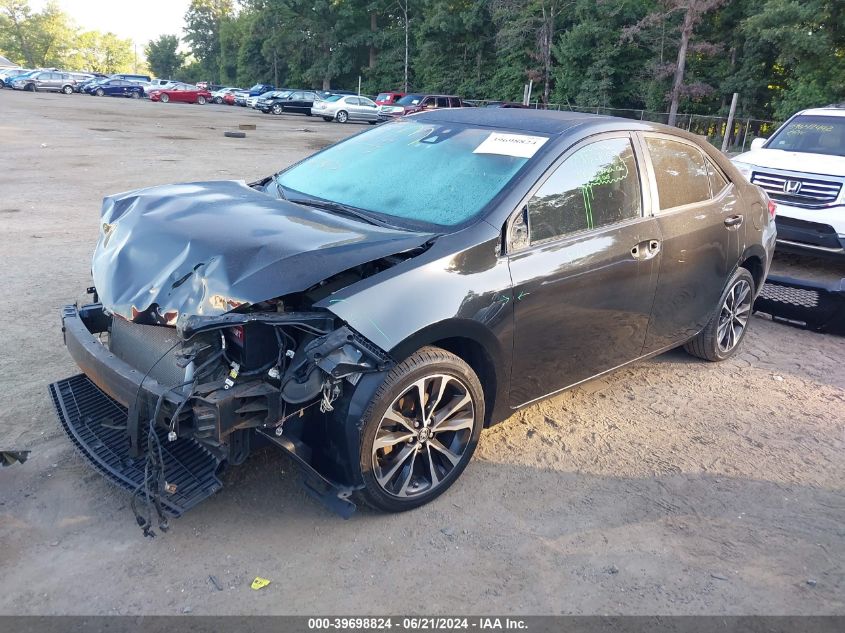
(424, 434)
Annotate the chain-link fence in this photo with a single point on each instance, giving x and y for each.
(714, 128)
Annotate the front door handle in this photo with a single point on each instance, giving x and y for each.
(733, 221)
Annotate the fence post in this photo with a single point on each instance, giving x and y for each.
(745, 136)
(729, 128)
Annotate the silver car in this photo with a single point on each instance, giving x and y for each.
(343, 108)
(46, 80)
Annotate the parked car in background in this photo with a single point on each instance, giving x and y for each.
(229, 98)
(218, 95)
(158, 84)
(411, 103)
(53, 81)
(260, 89)
(181, 93)
(8, 74)
(299, 101)
(416, 317)
(388, 98)
(130, 77)
(802, 168)
(262, 101)
(240, 97)
(343, 108)
(115, 88)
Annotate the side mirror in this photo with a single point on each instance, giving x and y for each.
(757, 143)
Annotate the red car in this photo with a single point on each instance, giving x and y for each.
(182, 92)
(229, 98)
(388, 98)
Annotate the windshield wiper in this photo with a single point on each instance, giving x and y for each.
(342, 209)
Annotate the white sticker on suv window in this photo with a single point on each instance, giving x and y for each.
(517, 145)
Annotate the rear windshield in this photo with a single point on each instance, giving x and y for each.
(816, 134)
(383, 96)
(414, 174)
(333, 98)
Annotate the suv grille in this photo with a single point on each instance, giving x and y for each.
(797, 190)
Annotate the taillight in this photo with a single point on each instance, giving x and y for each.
(773, 209)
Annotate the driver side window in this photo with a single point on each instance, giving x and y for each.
(597, 186)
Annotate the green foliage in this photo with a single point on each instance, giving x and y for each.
(780, 55)
(163, 56)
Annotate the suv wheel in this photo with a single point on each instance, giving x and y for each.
(721, 337)
(420, 430)
(67, 90)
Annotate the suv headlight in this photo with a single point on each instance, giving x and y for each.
(744, 168)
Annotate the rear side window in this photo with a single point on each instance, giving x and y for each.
(442, 102)
(717, 180)
(681, 172)
(596, 186)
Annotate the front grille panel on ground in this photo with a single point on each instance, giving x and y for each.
(805, 304)
(797, 190)
(96, 424)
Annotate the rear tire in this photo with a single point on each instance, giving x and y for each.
(327, 119)
(721, 337)
(342, 116)
(412, 450)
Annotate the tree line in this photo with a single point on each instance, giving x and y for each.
(660, 55)
(49, 38)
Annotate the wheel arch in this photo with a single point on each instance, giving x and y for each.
(476, 346)
(754, 261)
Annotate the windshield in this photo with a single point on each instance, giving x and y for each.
(257, 87)
(816, 134)
(410, 100)
(421, 174)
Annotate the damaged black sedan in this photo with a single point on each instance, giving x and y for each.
(370, 309)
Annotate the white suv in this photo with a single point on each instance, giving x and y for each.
(802, 168)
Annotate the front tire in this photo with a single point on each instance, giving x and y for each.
(201, 100)
(100, 92)
(68, 90)
(721, 337)
(420, 430)
(277, 109)
(135, 95)
(165, 98)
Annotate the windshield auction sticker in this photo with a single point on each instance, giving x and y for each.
(517, 145)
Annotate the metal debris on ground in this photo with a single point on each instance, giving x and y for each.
(7, 458)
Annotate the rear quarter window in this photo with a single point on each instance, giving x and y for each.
(681, 172)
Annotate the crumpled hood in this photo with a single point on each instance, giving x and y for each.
(822, 164)
(204, 248)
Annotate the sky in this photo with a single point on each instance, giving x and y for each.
(139, 20)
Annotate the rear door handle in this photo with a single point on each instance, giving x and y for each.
(646, 250)
(733, 220)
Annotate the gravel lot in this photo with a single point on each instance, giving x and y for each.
(671, 487)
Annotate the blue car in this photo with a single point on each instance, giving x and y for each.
(115, 88)
(260, 89)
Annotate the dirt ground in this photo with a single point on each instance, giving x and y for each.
(671, 487)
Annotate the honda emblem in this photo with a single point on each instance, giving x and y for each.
(792, 186)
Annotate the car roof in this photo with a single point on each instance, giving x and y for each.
(550, 122)
(833, 110)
